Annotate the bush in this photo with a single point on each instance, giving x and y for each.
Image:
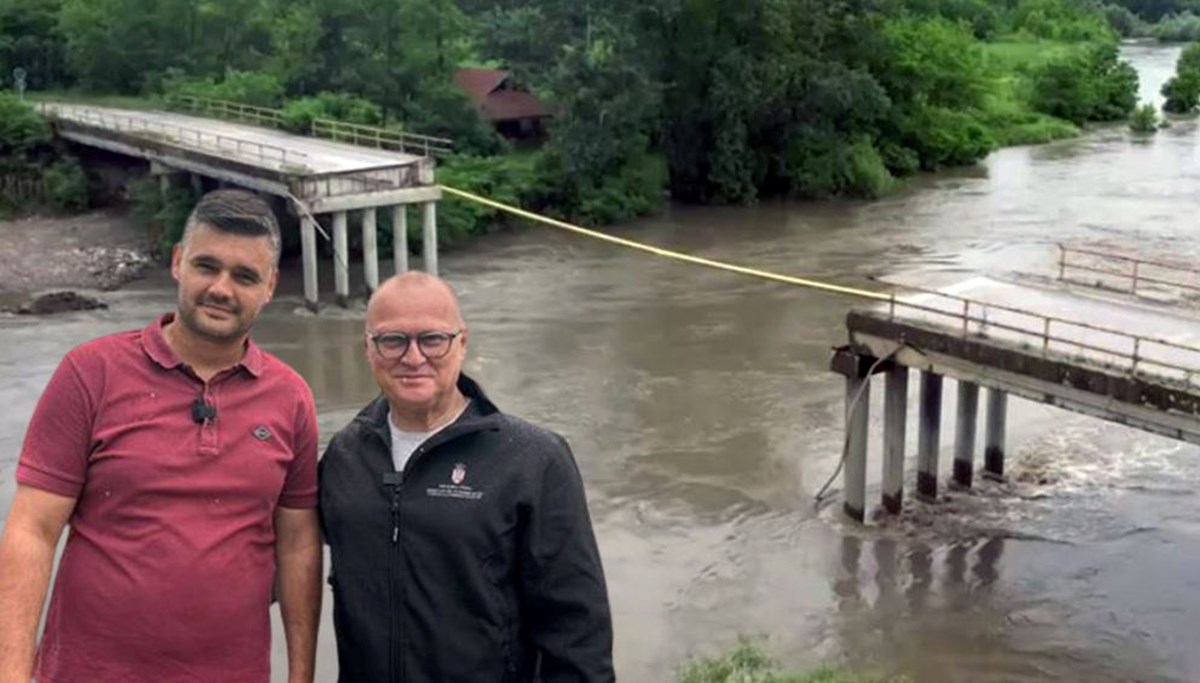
(1182, 93)
(22, 132)
(634, 189)
(164, 216)
(1123, 21)
(820, 166)
(1062, 89)
(66, 185)
(943, 137)
(27, 150)
(1060, 20)
(1093, 85)
(1145, 119)
(749, 664)
(445, 111)
(298, 115)
(1183, 89)
(247, 87)
(507, 179)
(1178, 28)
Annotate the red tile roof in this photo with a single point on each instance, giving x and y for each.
(508, 105)
(481, 85)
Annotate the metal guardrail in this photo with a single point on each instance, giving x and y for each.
(225, 109)
(1136, 272)
(340, 131)
(381, 138)
(181, 135)
(1047, 331)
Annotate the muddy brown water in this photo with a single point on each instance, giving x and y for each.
(705, 420)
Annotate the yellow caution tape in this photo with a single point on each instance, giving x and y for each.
(667, 253)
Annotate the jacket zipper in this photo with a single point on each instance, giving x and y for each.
(397, 611)
(393, 614)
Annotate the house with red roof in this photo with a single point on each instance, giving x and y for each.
(513, 110)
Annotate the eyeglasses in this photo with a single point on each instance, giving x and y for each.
(433, 345)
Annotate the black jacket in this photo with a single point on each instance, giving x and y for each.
(477, 563)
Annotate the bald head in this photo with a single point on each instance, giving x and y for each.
(410, 290)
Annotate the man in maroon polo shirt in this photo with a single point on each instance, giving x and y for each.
(184, 459)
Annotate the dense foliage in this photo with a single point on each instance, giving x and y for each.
(1183, 89)
(33, 171)
(698, 100)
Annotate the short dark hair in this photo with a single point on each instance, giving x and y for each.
(237, 212)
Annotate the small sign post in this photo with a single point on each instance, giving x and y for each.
(18, 75)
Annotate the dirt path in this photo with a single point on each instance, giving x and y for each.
(99, 250)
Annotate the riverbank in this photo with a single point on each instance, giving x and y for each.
(86, 253)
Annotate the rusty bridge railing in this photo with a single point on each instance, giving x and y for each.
(1123, 273)
(1077, 340)
(225, 109)
(382, 138)
(183, 136)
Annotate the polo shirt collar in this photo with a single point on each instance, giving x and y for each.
(156, 347)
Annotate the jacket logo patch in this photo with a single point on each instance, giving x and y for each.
(456, 488)
(262, 433)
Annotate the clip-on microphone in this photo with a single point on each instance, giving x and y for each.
(202, 412)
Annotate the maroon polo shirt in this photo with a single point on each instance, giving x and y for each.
(168, 568)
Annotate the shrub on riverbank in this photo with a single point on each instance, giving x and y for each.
(35, 172)
(749, 664)
(1177, 28)
(163, 215)
(1144, 119)
(1088, 85)
(1183, 89)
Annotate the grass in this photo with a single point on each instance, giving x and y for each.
(749, 664)
(118, 101)
(1012, 55)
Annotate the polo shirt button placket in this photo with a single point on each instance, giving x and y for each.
(208, 429)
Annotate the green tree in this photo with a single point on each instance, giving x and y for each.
(29, 38)
(1182, 91)
(600, 135)
(23, 134)
(1089, 85)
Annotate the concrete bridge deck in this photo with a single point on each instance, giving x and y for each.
(316, 176)
(1120, 357)
(327, 174)
(265, 147)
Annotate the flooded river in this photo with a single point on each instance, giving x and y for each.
(705, 420)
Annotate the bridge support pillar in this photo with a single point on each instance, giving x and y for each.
(308, 246)
(163, 173)
(929, 437)
(429, 232)
(370, 250)
(341, 259)
(895, 416)
(997, 417)
(400, 237)
(858, 409)
(197, 184)
(964, 438)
